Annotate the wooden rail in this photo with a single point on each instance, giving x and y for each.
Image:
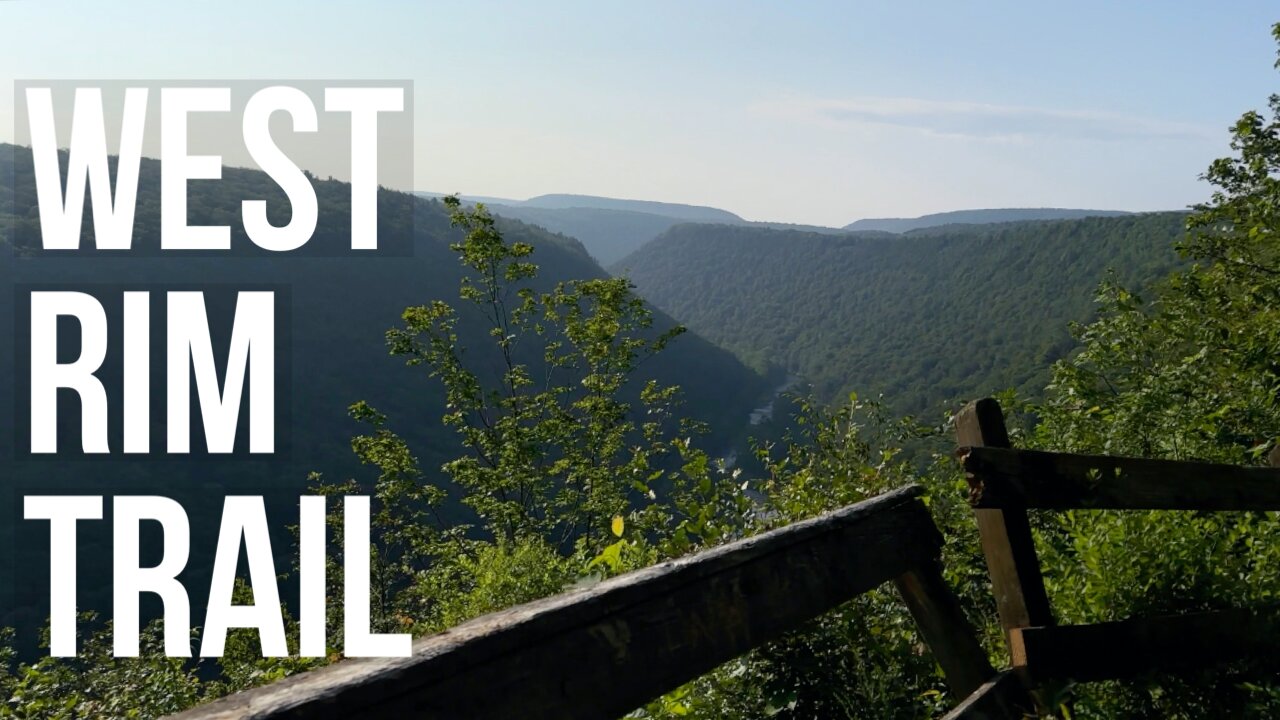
(1112, 650)
(1004, 483)
(1003, 478)
(603, 651)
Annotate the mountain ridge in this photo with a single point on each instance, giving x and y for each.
(611, 229)
(978, 216)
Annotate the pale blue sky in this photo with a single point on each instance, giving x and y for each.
(820, 112)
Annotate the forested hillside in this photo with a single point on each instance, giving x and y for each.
(925, 317)
(611, 229)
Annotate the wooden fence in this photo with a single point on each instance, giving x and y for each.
(1005, 483)
(601, 652)
(598, 653)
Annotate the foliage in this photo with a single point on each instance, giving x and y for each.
(651, 493)
(564, 471)
(864, 659)
(97, 685)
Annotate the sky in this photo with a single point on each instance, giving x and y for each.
(806, 112)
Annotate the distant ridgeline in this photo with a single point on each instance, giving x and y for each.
(341, 309)
(933, 315)
(611, 229)
(976, 217)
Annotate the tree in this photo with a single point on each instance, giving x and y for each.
(565, 467)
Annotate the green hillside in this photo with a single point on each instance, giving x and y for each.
(925, 317)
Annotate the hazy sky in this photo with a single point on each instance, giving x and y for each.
(819, 112)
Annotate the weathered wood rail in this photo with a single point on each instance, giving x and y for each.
(1004, 483)
(600, 652)
(1029, 479)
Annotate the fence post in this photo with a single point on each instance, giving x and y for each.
(945, 629)
(1006, 533)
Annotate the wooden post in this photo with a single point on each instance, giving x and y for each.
(1274, 457)
(944, 628)
(1006, 533)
